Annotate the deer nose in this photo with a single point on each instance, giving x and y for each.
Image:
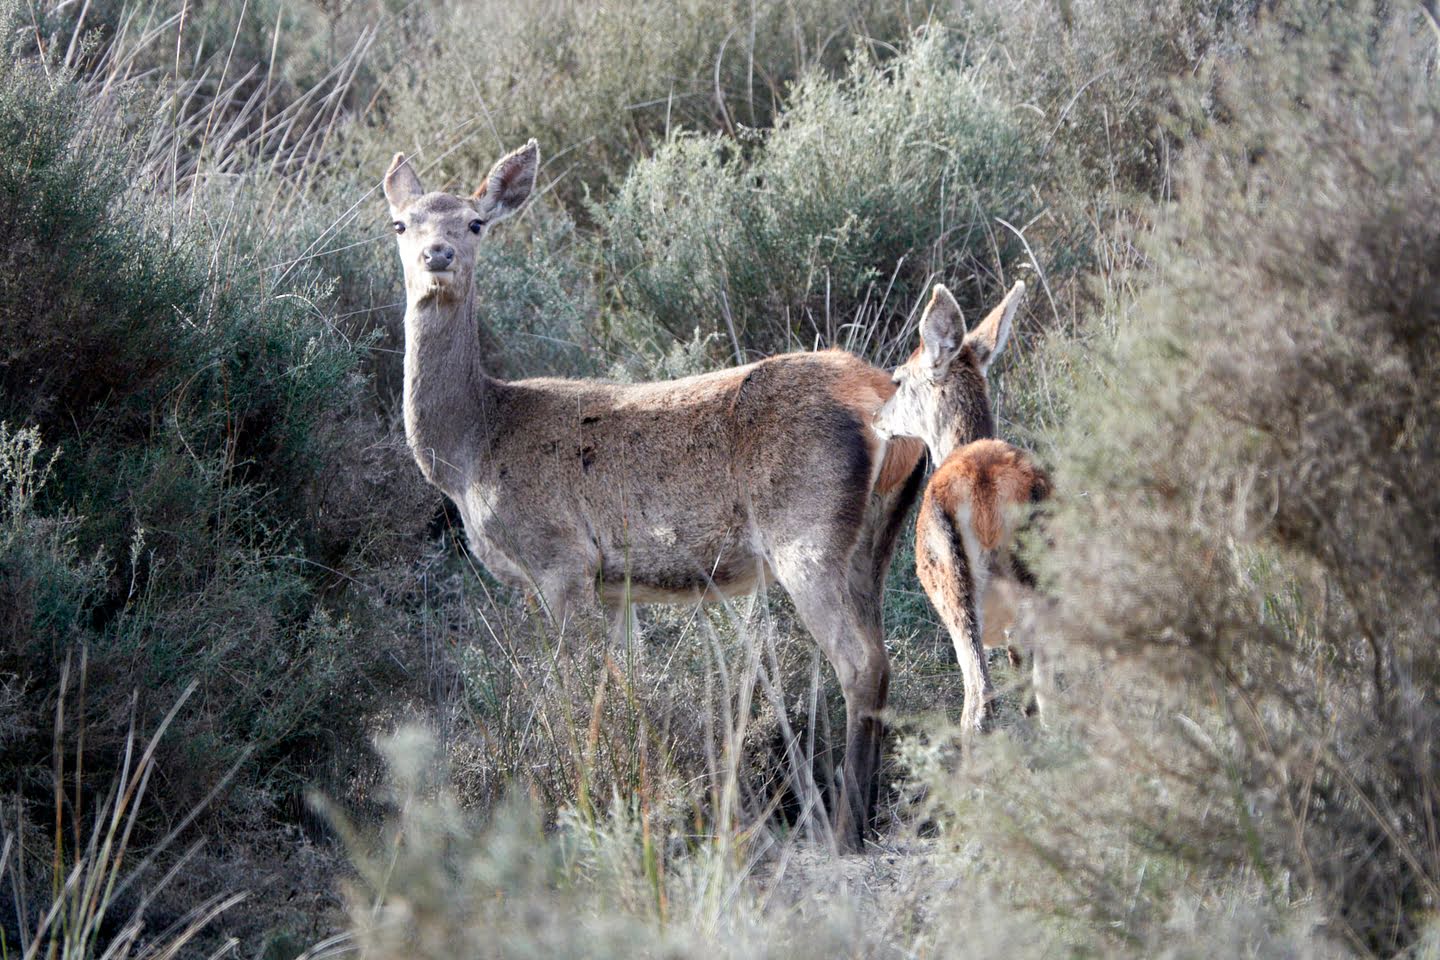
(439, 256)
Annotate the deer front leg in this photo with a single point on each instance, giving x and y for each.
(623, 627)
(567, 593)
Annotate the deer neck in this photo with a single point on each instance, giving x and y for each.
(963, 415)
(447, 392)
(946, 438)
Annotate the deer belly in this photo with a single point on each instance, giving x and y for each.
(661, 565)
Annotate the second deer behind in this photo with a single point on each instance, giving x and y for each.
(964, 535)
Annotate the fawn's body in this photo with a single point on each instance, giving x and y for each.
(964, 555)
(675, 491)
(965, 530)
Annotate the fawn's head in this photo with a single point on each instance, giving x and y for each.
(941, 394)
(439, 232)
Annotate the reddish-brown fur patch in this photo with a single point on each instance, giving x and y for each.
(990, 475)
(902, 454)
(944, 573)
(963, 576)
(864, 390)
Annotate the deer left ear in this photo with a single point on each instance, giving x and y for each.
(508, 184)
(989, 338)
(401, 184)
(940, 330)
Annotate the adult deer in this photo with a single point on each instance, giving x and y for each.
(965, 530)
(686, 490)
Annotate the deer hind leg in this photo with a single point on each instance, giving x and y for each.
(1042, 679)
(856, 651)
(847, 631)
(948, 576)
(863, 599)
(836, 576)
(838, 593)
(1026, 632)
(1042, 659)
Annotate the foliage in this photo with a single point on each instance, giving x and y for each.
(166, 494)
(98, 906)
(867, 189)
(1227, 362)
(593, 85)
(1246, 514)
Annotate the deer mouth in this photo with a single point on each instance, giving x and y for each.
(439, 279)
(442, 284)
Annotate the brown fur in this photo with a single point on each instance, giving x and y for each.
(990, 475)
(867, 392)
(964, 541)
(698, 488)
(902, 456)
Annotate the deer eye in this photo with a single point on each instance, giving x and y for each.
(399, 227)
(475, 225)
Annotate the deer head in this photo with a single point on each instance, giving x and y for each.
(438, 233)
(941, 392)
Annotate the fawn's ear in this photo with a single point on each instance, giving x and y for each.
(401, 184)
(509, 182)
(940, 330)
(988, 339)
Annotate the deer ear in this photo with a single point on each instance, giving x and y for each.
(401, 184)
(940, 330)
(509, 182)
(988, 339)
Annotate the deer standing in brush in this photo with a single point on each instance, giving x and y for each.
(695, 489)
(965, 530)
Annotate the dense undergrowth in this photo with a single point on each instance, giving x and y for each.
(222, 580)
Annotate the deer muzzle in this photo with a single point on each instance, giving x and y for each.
(438, 257)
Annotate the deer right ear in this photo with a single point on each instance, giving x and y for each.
(508, 184)
(401, 184)
(989, 337)
(940, 330)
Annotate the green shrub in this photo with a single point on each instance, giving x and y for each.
(47, 589)
(68, 260)
(868, 189)
(1097, 86)
(596, 84)
(1099, 79)
(103, 904)
(536, 298)
(1242, 509)
(199, 414)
